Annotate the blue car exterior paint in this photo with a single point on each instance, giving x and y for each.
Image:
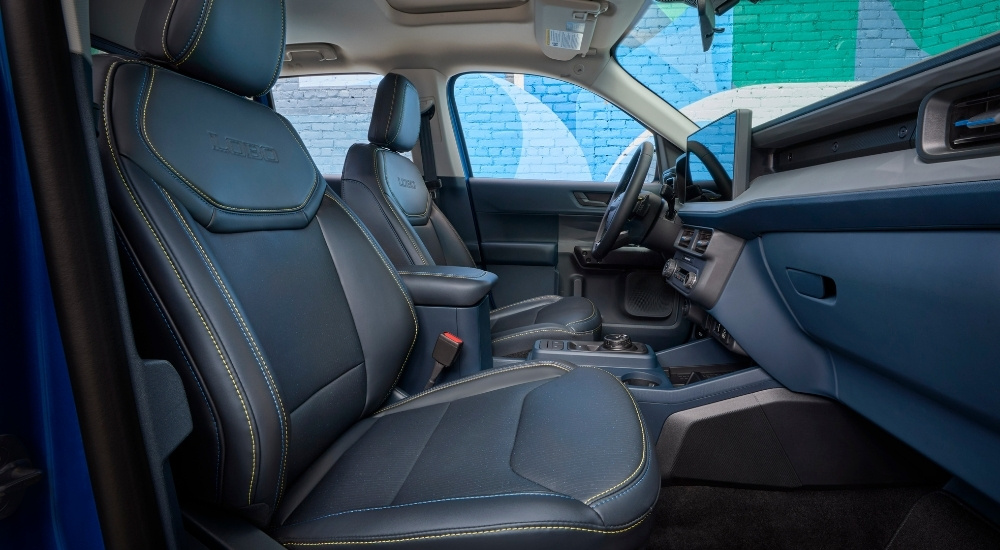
(36, 398)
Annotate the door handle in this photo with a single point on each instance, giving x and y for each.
(585, 200)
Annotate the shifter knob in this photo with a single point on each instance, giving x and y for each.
(617, 342)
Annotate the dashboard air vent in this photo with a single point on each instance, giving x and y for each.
(701, 243)
(686, 238)
(961, 120)
(975, 120)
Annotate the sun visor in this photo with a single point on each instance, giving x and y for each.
(444, 6)
(564, 28)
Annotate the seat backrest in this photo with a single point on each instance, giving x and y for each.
(387, 191)
(285, 319)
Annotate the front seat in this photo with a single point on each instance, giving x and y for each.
(387, 192)
(290, 328)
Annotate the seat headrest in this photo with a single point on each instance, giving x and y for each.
(237, 45)
(396, 116)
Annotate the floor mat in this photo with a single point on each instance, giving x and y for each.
(697, 517)
(940, 521)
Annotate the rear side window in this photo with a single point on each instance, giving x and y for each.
(330, 113)
(538, 128)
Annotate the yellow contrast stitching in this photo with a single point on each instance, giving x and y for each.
(192, 186)
(208, 13)
(441, 275)
(483, 532)
(274, 75)
(251, 340)
(403, 111)
(392, 106)
(642, 431)
(114, 157)
(542, 330)
(163, 38)
(593, 312)
(395, 278)
(469, 379)
(402, 225)
(455, 233)
(537, 299)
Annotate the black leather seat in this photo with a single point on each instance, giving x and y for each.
(387, 192)
(290, 327)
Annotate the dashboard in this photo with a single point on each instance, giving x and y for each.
(867, 273)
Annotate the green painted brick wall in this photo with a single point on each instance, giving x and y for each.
(794, 41)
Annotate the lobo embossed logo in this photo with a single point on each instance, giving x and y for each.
(403, 182)
(242, 148)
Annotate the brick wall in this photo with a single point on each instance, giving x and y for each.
(773, 57)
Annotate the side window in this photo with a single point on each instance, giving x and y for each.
(538, 128)
(330, 112)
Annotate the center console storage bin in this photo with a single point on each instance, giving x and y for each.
(448, 299)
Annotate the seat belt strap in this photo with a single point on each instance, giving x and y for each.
(445, 353)
(427, 153)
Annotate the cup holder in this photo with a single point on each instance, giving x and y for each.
(640, 379)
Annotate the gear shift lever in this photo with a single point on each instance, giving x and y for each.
(617, 342)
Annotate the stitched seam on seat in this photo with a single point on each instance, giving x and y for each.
(554, 527)
(399, 126)
(376, 508)
(166, 23)
(427, 202)
(642, 432)
(634, 485)
(441, 275)
(392, 208)
(593, 313)
(392, 106)
(194, 30)
(395, 277)
(536, 299)
(281, 51)
(381, 210)
(469, 379)
(272, 386)
(234, 209)
(173, 335)
(564, 331)
(455, 233)
(201, 31)
(215, 343)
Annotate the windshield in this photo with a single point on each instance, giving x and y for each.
(776, 56)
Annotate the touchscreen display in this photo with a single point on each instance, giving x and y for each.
(719, 139)
(722, 147)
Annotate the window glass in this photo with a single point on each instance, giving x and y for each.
(330, 113)
(538, 128)
(777, 57)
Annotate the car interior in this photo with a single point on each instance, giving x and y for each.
(517, 273)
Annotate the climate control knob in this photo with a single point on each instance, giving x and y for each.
(691, 280)
(670, 268)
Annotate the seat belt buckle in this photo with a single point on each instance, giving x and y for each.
(445, 353)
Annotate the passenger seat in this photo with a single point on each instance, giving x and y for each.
(387, 191)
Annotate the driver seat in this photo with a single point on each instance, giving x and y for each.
(386, 190)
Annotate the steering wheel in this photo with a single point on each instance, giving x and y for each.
(622, 202)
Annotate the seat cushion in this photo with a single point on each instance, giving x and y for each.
(539, 455)
(516, 327)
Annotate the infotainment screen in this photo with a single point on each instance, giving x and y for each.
(719, 154)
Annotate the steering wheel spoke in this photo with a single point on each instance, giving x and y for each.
(611, 233)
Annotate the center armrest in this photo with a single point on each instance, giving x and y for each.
(447, 286)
